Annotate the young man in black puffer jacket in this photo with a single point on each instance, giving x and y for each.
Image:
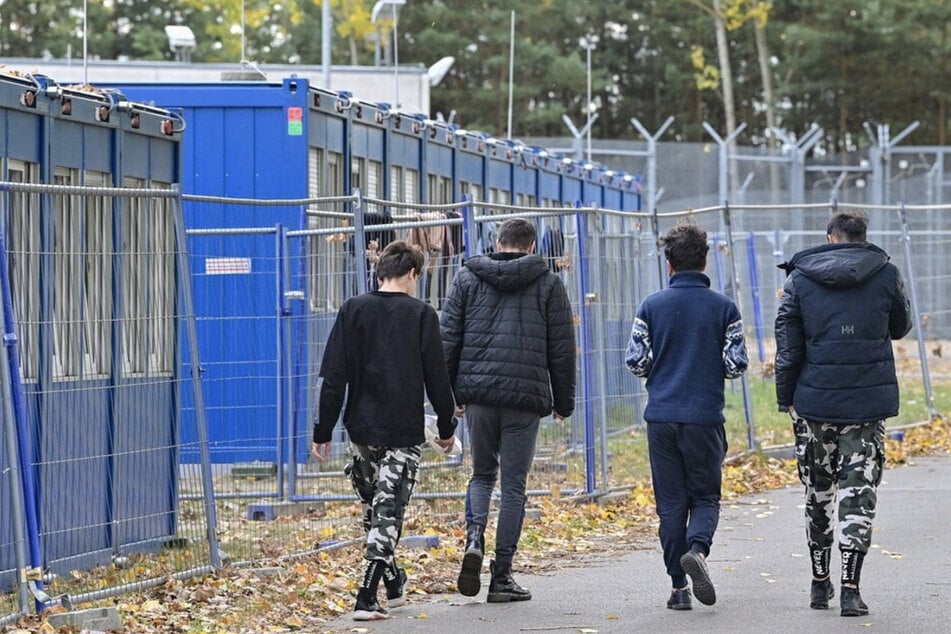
(509, 340)
(842, 305)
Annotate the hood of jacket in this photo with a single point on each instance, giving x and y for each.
(507, 271)
(841, 265)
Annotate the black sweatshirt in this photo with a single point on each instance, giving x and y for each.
(383, 350)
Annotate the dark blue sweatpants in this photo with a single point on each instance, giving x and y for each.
(686, 469)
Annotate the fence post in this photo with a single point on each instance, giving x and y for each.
(652, 157)
(207, 481)
(468, 227)
(292, 375)
(661, 269)
(723, 157)
(359, 242)
(597, 300)
(754, 292)
(581, 220)
(916, 312)
(283, 359)
(747, 409)
(20, 483)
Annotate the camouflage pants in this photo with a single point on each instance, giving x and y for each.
(383, 478)
(841, 467)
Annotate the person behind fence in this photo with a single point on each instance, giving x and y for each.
(842, 304)
(686, 339)
(509, 339)
(384, 349)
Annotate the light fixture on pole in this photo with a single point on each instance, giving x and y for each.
(438, 70)
(394, 6)
(181, 41)
(588, 43)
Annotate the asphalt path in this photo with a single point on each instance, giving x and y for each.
(759, 564)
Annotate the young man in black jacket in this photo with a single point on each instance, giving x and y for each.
(383, 350)
(509, 340)
(843, 303)
(686, 339)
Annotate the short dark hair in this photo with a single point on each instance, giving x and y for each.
(517, 233)
(848, 227)
(685, 247)
(398, 259)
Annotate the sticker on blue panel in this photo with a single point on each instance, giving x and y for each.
(295, 121)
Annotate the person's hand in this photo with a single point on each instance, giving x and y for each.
(460, 411)
(320, 450)
(445, 445)
(792, 412)
(558, 417)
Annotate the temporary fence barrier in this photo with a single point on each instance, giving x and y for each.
(99, 287)
(265, 298)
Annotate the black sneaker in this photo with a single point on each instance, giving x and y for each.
(680, 600)
(821, 593)
(695, 566)
(396, 589)
(851, 602)
(367, 608)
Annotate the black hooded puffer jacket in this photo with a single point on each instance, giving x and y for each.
(841, 307)
(508, 335)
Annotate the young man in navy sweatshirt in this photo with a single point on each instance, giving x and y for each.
(686, 340)
(383, 351)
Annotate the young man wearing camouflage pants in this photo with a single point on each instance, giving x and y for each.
(383, 350)
(842, 305)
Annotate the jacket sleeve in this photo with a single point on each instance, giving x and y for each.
(561, 349)
(899, 318)
(790, 345)
(434, 374)
(735, 357)
(452, 325)
(639, 357)
(333, 388)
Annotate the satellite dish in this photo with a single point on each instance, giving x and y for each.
(438, 70)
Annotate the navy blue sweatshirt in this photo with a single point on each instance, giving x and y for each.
(686, 340)
(383, 350)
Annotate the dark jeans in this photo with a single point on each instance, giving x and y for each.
(500, 437)
(686, 461)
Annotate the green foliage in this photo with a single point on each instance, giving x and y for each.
(838, 64)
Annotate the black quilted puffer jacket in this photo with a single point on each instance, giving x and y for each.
(841, 307)
(508, 335)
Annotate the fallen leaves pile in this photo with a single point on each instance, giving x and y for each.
(303, 594)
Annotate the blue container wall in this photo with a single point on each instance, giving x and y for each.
(524, 182)
(470, 167)
(611, 198)
(81, 430)
(570, 190)
(549, 186)
(439, 160)
(499, 174)
(242, 140)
